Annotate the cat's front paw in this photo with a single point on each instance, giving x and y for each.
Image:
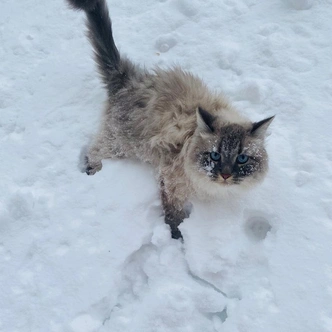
(92, 168)
(176, 234)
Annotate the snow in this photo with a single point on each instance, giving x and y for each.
(87, 254)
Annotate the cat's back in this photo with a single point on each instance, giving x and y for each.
(172, 112)
(166, 115)
(182, 89)
(177, 95)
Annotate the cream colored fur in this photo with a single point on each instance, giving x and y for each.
(169, 119)
(164, 132)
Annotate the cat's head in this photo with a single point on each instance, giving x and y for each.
(227, 153)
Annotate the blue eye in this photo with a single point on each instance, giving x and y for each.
(242, 158)
(215, 156)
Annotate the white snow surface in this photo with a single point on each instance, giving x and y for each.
(88, 254)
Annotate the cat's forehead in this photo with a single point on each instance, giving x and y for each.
(233, 131)
(227, 138)
(231, 136)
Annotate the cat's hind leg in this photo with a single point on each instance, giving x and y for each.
(103, 147)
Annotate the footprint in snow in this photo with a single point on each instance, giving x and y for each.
(5, 254)
(187, 7)
(85, 322)
(257, 226)
(251, 91)
(302, 178)
(165, 43)
(268, 29)
(228, 55)
(301, 4)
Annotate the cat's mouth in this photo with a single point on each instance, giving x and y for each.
(225, 182)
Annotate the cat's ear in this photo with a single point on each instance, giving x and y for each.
(205, 120)
(259, 128)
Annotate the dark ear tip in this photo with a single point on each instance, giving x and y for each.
(269, 119)
(206, 117)
(202, 111)
(261, 125)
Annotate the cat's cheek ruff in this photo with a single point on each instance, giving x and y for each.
(255, 176)
(210, 168)
(247, 170)
(205, 165)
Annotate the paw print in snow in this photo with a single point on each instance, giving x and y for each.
(301, 4)
(257, 226)
(165, 43)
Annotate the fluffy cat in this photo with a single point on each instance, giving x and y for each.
(198, 143)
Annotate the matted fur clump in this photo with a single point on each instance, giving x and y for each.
(199, 144)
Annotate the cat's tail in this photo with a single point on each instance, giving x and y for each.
(115, 70)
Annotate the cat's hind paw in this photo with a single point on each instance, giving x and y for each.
(92, 168)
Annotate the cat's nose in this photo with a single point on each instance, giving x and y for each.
(226, 176)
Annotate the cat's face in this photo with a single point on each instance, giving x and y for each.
(228, 154)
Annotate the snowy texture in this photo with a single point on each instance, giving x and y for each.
(88, 254)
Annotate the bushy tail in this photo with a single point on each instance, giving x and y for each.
(114, 70)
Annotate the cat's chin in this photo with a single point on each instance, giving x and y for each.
(206, 188)
(228, 182)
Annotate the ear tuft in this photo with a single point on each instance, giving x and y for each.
(205, 120)
(259, 128)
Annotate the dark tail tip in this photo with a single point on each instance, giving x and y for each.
(86, 5)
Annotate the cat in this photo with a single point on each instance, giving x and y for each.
(197, 142)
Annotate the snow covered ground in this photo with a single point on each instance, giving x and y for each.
(88, 254)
